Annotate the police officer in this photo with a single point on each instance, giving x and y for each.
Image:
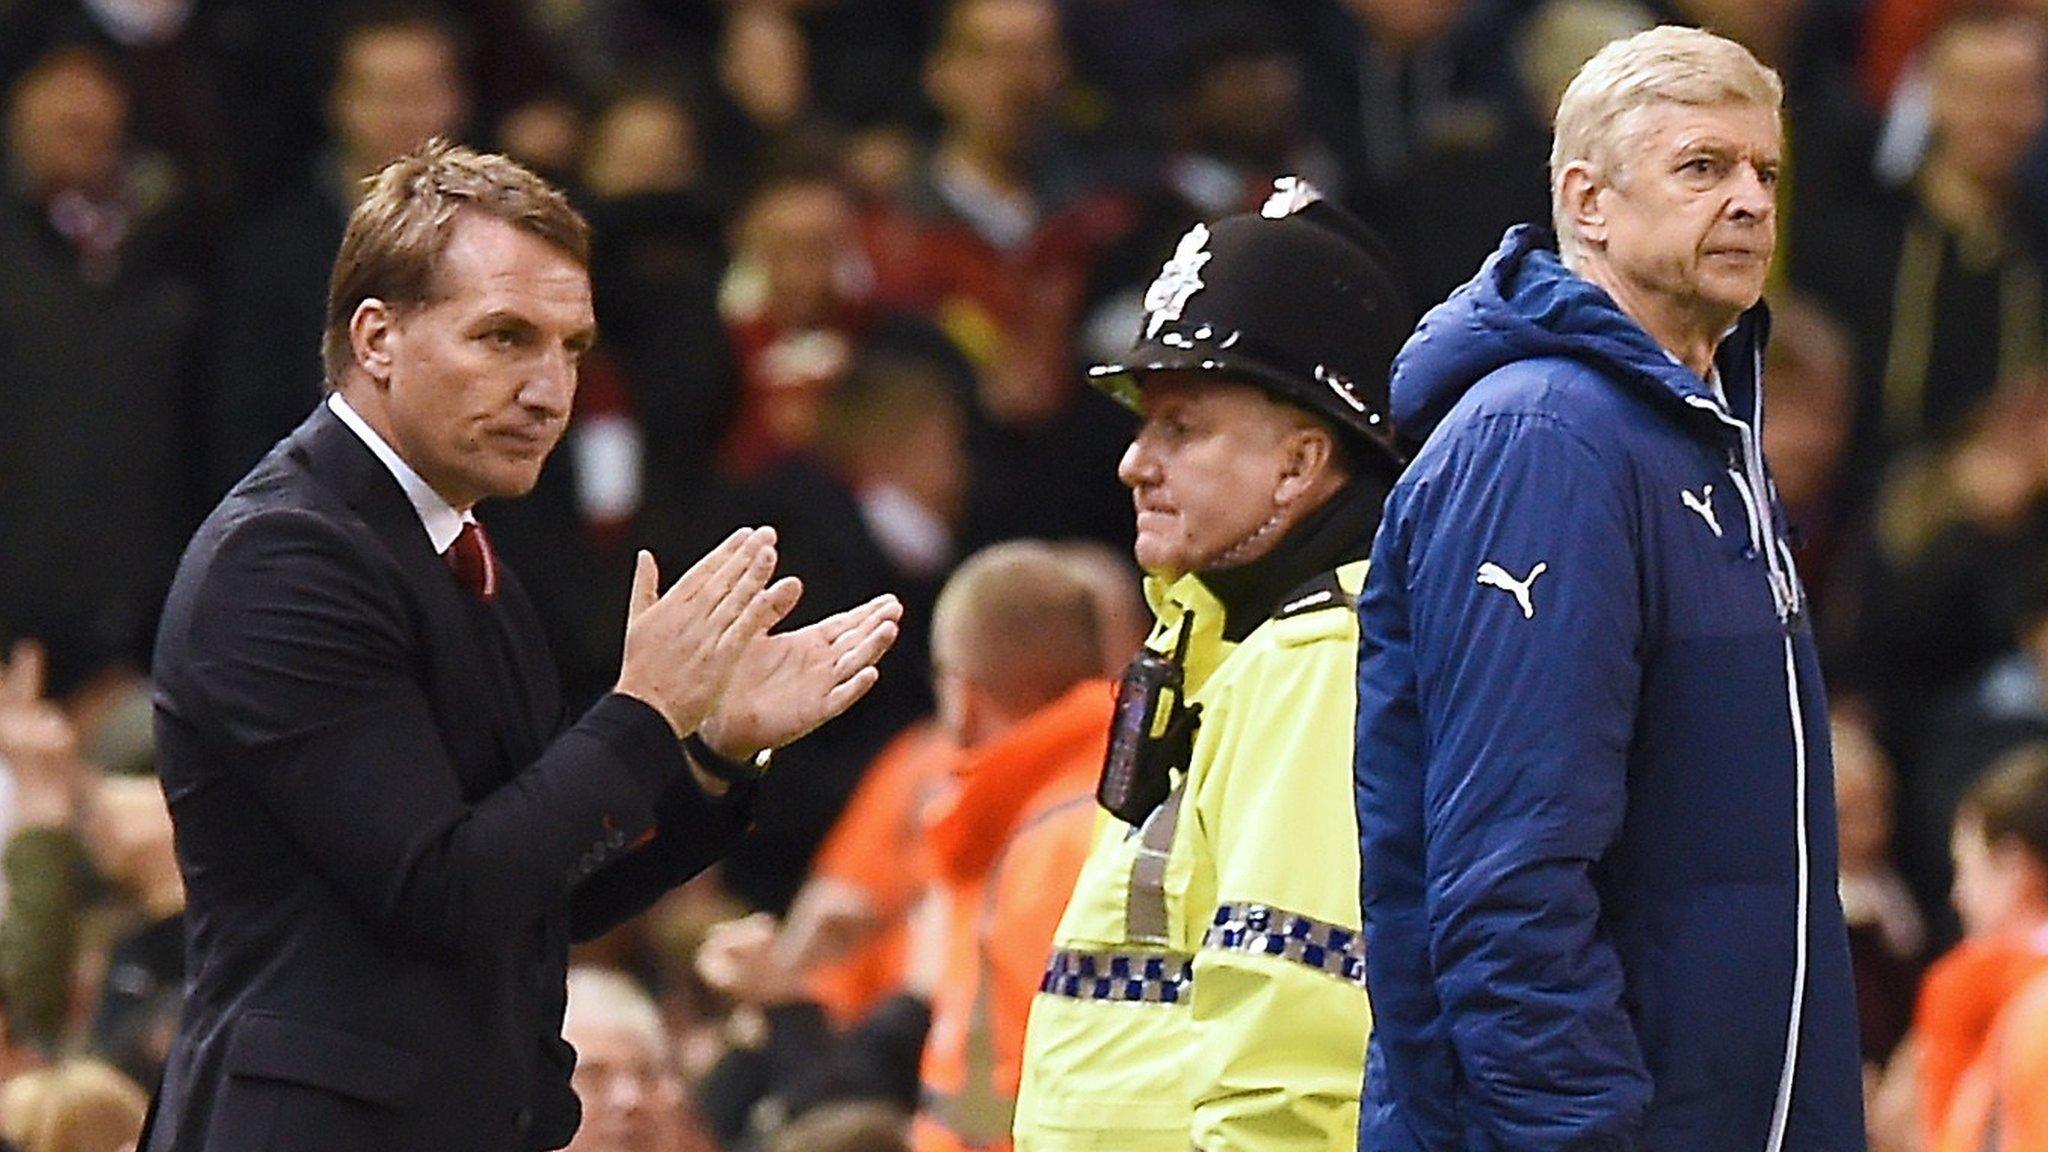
(1207, 985)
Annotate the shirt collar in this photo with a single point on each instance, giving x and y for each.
(442, 522)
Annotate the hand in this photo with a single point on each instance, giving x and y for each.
(829, 918)
(684, 645)
(741, 959)
(787, 684)
(38, 743)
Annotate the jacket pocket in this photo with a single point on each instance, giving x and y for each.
(269, 1047)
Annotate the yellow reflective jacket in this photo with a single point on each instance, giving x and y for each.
(1207, 986)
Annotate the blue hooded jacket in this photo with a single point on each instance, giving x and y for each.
(1594, 790)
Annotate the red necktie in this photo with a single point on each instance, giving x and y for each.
(474, 564)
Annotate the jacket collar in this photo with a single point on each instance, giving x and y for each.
(1335, 534)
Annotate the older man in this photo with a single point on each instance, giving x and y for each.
(634, 1099)
(1206, 986)
(388, 832)
(1597, 824)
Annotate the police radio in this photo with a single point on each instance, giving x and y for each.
(1148, 742)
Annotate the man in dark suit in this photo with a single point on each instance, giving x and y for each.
(387, 834)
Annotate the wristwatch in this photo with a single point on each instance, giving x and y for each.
(734, 772)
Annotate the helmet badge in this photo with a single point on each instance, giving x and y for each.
(1291, 194)
(1180, 279)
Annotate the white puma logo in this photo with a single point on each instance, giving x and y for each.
(1494, 576)
(1703, 504)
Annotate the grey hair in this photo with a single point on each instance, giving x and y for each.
(1596, 117)
(605, 998)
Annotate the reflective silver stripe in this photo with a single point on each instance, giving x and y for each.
(979, 1121)
(1783, 1111)
(1145, 899)
(1267, 931)
(1133, 977)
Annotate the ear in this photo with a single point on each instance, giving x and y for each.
(2029, 872)
(1578, 192)
(370, 334)
(1307, 454)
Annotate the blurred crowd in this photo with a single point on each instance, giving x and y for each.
(851, 259)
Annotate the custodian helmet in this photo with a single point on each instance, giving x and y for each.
(1298, 298)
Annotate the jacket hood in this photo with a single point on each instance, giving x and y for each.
(1524, 304)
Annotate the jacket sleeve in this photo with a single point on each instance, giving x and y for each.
(1524, 605)
(1279, 1039)
(693, 831)
(300, 661)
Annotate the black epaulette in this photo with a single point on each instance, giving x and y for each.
(1315, 595)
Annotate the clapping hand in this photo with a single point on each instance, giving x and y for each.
(684, 645)
(788, 683)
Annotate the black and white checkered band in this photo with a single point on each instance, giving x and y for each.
(1135, 977)
(1268, 931)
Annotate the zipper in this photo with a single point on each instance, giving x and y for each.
(1754, 488)
(1782, 1111)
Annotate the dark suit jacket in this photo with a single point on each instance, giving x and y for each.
(387, 837)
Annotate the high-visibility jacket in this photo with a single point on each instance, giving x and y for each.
(1960, 1002)
(2002, 1103)
(1207, 986)
(877, 846)
(1005, 854)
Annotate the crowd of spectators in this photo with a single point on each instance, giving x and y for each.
(850, 259)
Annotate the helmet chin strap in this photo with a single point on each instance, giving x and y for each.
(1244, 551)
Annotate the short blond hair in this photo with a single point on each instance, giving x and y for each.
(1666, 64)
(1014, 620)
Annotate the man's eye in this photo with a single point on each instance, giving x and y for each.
(502, 337)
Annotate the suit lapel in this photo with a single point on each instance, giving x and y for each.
(469, 654)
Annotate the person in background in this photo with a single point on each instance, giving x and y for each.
(399, 76)
(1952, 604)
(875, 507)
(1234, 115)
(993, 244)
(96, 446)
(2001, 893)
(633, 1098)
(1887, 934)
(1942, 284)
(2002, 1104)
(1017, 668)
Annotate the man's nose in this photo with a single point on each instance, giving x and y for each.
(1753, 198)
(1137, 464)
(551, 389)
